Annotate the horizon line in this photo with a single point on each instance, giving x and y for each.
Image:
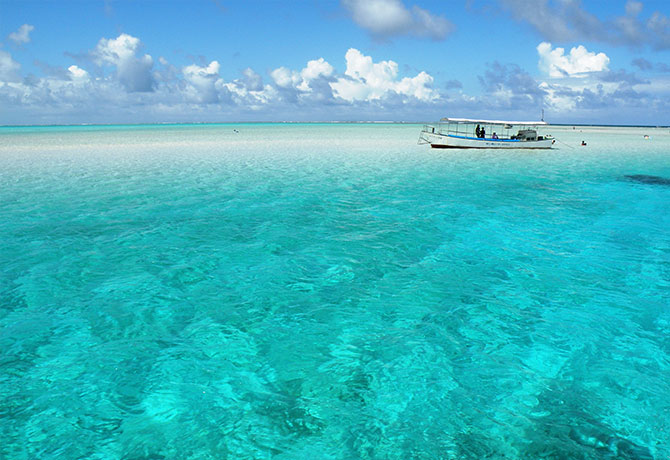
(172, 123)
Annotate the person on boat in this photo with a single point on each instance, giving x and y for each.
(494, 136)
(477, 131)
(483, 133)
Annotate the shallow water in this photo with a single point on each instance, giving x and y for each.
(332, 291)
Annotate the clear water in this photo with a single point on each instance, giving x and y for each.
(332, 292)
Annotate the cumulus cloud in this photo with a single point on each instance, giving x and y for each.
(77, 74)
(599, 93)
(309, 85)
(365, 80)
(582, 83)
(205, 86)
(248, 91)
(567, 20)
(9, 68)
(388, 18)
(133, 71)
(284, 78)
(315, 69)
(202, 81)
(289, 79)
(365, 89)
(579, 62)
(604, 100)
(22, 35)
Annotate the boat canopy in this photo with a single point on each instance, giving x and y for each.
(493, 122)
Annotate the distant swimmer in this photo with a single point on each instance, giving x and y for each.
(583, 143)
(646, 136)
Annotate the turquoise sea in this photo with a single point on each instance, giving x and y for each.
(332, 291)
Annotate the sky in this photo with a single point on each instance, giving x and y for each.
(123, 61)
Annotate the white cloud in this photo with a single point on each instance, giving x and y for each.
(308, 86)
(363, 90)
(252, 98)
(22, 35)
(117, 50)
(134, 72)
(365, 80)
(77, 73)
(207, 87)
(387, 18)
(610, 96)
(285, 78)
(203, 81)
(578, 63)
(315, 69)
(9, 68)
(290, 79)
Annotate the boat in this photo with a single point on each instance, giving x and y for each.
(466, 133)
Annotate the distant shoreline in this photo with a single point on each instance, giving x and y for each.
(380, 122)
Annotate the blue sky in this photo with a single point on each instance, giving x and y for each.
(90, 61)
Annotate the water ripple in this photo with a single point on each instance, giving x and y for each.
(180, 292)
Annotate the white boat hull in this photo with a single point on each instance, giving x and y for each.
(449, 141)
